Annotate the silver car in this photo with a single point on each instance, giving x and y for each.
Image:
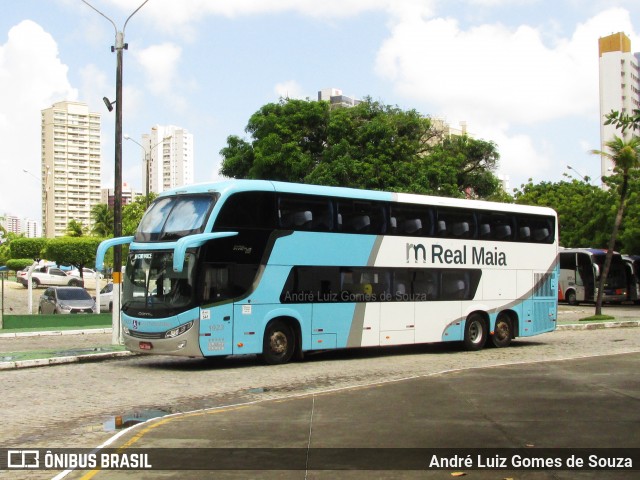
(66, 300)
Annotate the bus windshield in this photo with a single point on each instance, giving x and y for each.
(150, 284)
(170, 218)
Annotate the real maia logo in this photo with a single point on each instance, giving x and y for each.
(446, 256)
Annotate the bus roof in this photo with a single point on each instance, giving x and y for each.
(228, 187)
(592, 251)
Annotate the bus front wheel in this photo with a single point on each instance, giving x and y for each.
(279, 343)
(572, 298)
(475, 332)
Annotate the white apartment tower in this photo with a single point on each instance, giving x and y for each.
(169, 150)
(619, 86)
(71, 166)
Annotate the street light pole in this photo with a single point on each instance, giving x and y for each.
(116, 336)
(147, 160)
(584, 178)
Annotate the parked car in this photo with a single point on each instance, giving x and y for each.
(106, 298)
(66, 300)
(49, 276)
(87, 273)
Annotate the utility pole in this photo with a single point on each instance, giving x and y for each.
(118, 48)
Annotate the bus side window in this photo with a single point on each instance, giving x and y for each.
(484, 231)
(247, 210)
(216, 283)
(425, 284)
(455, 286)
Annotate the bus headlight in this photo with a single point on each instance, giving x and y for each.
(178, 330)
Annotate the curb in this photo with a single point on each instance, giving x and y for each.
(45, 362)
(46, 333)
(599, 326)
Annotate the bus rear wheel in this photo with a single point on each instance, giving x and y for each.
(502, 332)
(279, 343)
(475, 332)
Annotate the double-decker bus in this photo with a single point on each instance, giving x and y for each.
(278, 269)
(580, 270)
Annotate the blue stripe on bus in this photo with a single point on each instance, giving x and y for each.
(310, 248)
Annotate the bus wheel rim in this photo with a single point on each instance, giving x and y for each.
(278, 342)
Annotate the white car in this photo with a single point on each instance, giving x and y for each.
(87, 273)
(106, 298)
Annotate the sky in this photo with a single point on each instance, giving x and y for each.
(520, 73)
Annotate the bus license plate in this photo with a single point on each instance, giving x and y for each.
(145, 345)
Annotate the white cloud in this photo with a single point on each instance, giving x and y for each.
(500, 78)
(178, 17)
(32, 78)
(160, 63)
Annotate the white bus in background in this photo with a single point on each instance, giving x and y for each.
(580, 270)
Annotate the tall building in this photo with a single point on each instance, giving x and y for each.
(619, 86)
(168, 158)
(71, 166)
(107, 195)
(336, 99)
(18, 225)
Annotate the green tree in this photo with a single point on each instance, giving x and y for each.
(28, 248)
(132, 213)
(625, 155)
(628, 240)
(624, 121)
(102, 220)
(16, 264)
(370, 145)
(76, 251)
(75, 228)
(584, 210)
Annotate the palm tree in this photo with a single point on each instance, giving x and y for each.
(625, 155)
(102, 220)
(75, 228)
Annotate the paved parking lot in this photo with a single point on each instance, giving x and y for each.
(395, 429)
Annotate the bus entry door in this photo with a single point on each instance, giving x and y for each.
(216, 330)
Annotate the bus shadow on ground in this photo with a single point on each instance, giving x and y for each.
(246, 361)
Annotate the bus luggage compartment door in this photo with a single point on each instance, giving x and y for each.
(216, 330)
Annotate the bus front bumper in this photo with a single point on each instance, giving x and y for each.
(185, 345)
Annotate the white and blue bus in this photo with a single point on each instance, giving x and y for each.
(580, 270)
(279, 269)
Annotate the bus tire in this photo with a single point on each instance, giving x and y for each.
(571, 297)
(279, 343)
(502, 332)
(475, 332)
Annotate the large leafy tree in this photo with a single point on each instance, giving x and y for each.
(584, 210)
(77, 251)
(371, 145)
(625, 155)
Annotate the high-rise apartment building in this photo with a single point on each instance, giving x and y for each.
(168, 162)
(18, 225)
(619, 86)
(71, 166)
